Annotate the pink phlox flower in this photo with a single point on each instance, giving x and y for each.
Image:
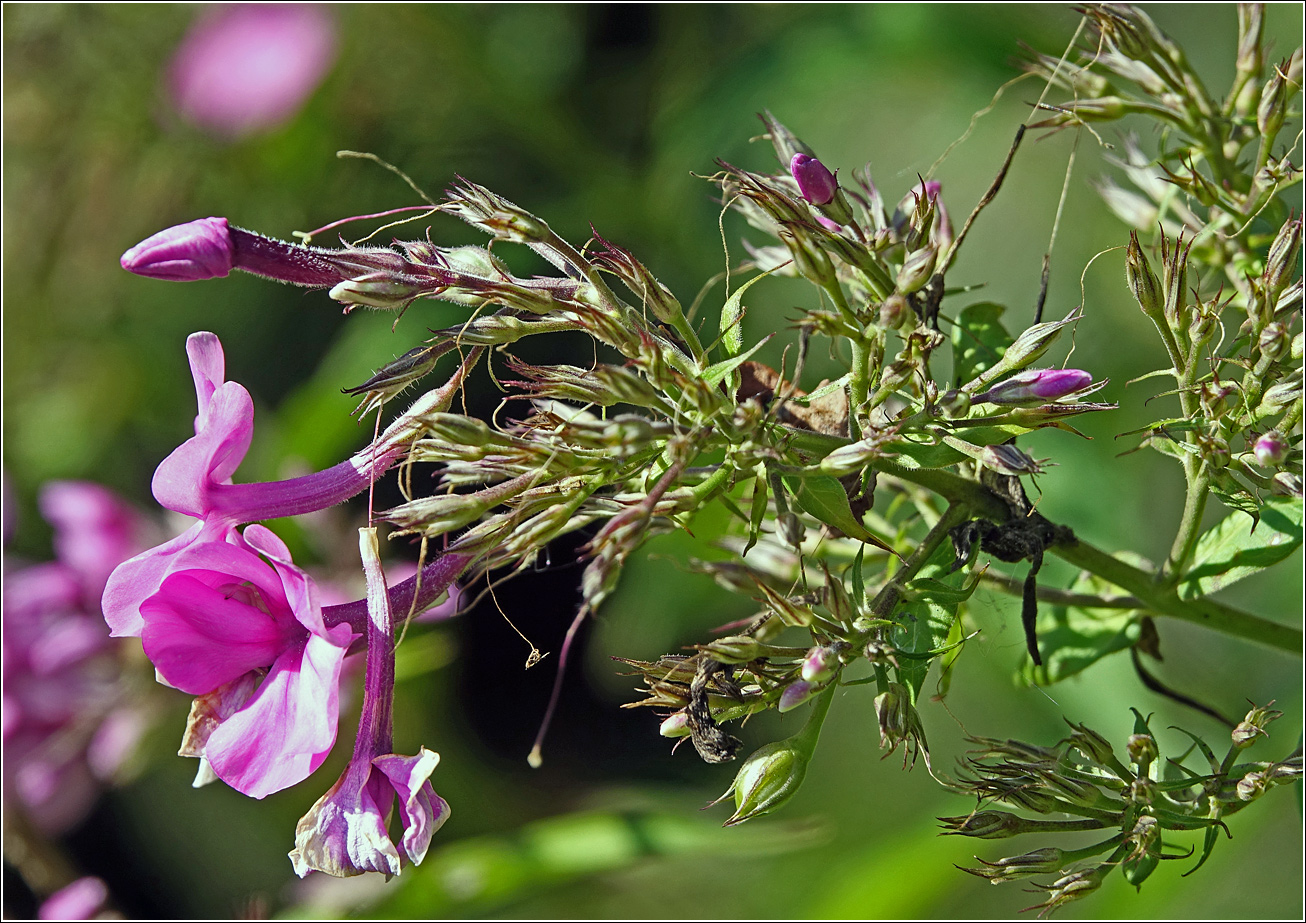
(196, 479)
(230, 612)
(81, 900)
(345, 833)
(249, 68)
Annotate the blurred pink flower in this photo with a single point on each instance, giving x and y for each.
(64, 695)
(81, 900)
(249, 68)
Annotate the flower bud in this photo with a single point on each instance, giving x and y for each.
(1253, 725)
(1009, 460)
(1037, 386)
(895, 313)
(986, 825)
(1142, 791)
(1271, 450)
(1012, 868)
(796, 694)
(820, 664)
(916, 269)
(185, 253)
(1252, 786)
(1142, 750)
(767, 779)
(676, 725)
(1274, 341)
(1273, 107)
(1286, 484)
(1215, 450)
(1142, 281)
(1283, 259)
(815, 181)
(734, 649)
(375, 292)
(1092, 744)
(809, 259)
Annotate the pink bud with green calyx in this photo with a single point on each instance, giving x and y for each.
(815, 181)
(1037, 386)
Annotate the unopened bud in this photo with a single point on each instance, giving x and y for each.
(785, 142)
(895, 313)
(1271, 450)
(1273, 107)
(1142, 281)
(1253, 725)
(796, 694)
(1175, 279)
(809, 259)
(1037, 386)
(1142, 791)
(916, 270)
(1274, 341)
(1092, 744)
(815, 181)
(986, 825)
(767, 779)
(383, 293)
(820, 664)
(1013, 868)
(1215, 450)
(1252, 786)
(1007, 459)
(734, 649)
(1286, 484)
(954, 404)
(676, 725)
(185, 253)
(1142, 749)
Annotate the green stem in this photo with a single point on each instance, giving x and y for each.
(1162, 600)
(805, 740)
(1190, 525)
(888, 597)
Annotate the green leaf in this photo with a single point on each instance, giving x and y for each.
(732, 318)
(1238, 547)
(1073, 638)
(924, 626)
(720, 370)
(824, 497)
(978, 340)
(756, 512)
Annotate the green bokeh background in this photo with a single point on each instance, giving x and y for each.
(592, 114)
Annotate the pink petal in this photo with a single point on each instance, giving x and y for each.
(200, 637)
(207, 368)
(289, 727)
(183, 480)
(424, 811)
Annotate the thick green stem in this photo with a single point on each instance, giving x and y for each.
(1208, 613)
(887, 598)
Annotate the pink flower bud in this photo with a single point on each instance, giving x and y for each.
(1271, 450)
(1037, 386)
(185, 253)
(816, 183)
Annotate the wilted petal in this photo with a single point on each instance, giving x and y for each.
(424, 811)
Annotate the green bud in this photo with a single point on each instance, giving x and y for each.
(1252, 786)
(895, 313)
(1283, 259)
(767, 780)
(1143, 750)
(455, 428)
(1142, 791)
(1253, 725)
(1273, 107)
(1286, 484)
(1092, 744)
(809, 259)
(916, 270)
(1174, 271)
(1039, 862)
(383, 293)
(1142, 281)
(954, 404)
(734, 649)
(986, 825)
